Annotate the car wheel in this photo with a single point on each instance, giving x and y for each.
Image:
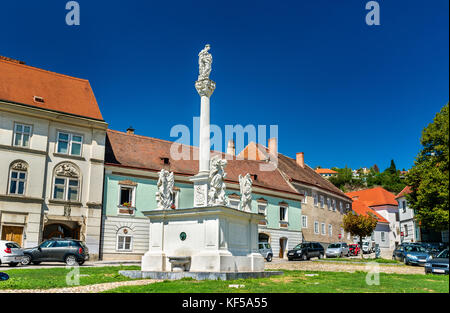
(26, 260)
(13, 264)
(70, 260)
(304, 257)
(80, 263)
(269, 258)
(405, 261)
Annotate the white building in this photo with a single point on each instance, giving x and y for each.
(52, 143)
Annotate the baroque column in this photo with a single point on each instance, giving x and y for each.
(205, 88)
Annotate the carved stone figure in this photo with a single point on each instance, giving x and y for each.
(164, 195)
(245, 184)
(67, 169)
(216, 194)
(204, 63)
(19, 165)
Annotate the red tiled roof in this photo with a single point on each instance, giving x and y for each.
(20, 83)
(404, 192)
(325, 171)
(135, 151)
(374, 196)
(290, 168)
(361, 208)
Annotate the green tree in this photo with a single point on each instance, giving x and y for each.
(429, 177)
(359, 225)
(392, 169)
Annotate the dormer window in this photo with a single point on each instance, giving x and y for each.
(38, 99)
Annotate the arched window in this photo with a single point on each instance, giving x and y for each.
(124, 239)
(66, 182)
(18, 178)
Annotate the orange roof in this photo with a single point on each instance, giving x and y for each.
(362, 209)
(404, 192)
(374, 196)
(20, 84)
(325, 171)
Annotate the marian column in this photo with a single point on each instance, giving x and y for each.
(205, 87)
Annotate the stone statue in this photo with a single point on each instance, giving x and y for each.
(204, 63)
(164, 195)
(245, 184)
(216, 193)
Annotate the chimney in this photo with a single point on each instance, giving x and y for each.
(230, 148)
(300, 158)
(130, 130)
(272, 145)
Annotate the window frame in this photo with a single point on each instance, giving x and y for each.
(323, 229)
(69, 142)
(330, 230)
(15, 132)
(133, 199)
(264, 211)
(286, 217)
(304, 221)
(123, 249)
(17, 180)
(316, 199)
(322, 202)
(66, 188)
(316, 228)
(329, 203)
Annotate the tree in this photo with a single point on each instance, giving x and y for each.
(392, 169)
(429, 177)
(359, 225)
(375, 168)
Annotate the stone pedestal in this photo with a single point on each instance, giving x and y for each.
(217, 239)
(200, 189)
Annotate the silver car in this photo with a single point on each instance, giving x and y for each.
(338, 249)
(10, 253)
(266, 250)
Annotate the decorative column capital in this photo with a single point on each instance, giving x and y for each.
(205, 87)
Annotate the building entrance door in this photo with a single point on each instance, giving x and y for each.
(282, 247)
(12, 233)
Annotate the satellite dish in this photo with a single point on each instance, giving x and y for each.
(3, 276)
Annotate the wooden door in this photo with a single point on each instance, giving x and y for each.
(12, 233)
(282, 247)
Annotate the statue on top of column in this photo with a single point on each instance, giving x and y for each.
(204, 63)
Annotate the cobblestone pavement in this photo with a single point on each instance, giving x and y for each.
(85, 289)
(338, 267)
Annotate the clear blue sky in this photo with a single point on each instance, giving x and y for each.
(340, 91)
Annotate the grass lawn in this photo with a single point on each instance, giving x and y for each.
(379, 260)
(56, 277)
(298, 282)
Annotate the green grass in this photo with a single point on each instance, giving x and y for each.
(379, 260)
(298, 282)
(56, 277)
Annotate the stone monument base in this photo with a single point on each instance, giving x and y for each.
(215, 239)
(197, 275)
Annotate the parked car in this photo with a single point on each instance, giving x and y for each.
(70, 251)
(438, 264)
(266, 250)
(306, 250)
(338, 249)
(368, 247)
(433, 248)
(410, 254)
(10, 253)
(354, 249)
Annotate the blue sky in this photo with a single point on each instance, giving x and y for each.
(342, 92)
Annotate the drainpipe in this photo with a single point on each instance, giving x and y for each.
(100, 246)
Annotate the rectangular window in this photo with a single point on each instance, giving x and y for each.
(324, 232)
(322, 202)
(234, 203)
(316, 199)
(341, 207)
(283, 214)
(17, 182)
(383, 238)
(334, 205)
(316, 227)
(304, 221)
(65, 188)
(406, 231)
(124, 243)
(330, 230)
(126, 196)
(262, 209)
(404, 206)
(22, 134)
(329, 203)
(305, 193)
(69, 143)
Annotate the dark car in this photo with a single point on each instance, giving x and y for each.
(433, 248)
(306, 250)
(411, 254)
(70, 251)
(437, 265)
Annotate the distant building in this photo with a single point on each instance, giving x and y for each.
(383, 203)
(326, 172)
(409, 228)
